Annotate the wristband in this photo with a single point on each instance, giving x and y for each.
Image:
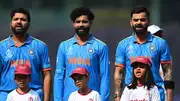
(169, 84)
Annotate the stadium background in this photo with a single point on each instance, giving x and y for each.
(51, 24)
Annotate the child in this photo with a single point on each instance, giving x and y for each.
(23, 92)
(81, 77)
(142, 87)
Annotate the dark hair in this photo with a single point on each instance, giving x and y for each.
(140, 9)
(148, 79)
(77, 12)
(21, 10)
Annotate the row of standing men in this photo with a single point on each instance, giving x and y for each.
(83, 49)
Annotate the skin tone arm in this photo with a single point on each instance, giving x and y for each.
(47, 84)
(167, 68)
(118, 79)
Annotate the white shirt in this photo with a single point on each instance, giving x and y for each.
(30, 96)
(140, 94)
(91, 96)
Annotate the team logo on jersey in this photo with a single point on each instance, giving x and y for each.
(9, 53)
(152, 48)
(130, 49)
(69, 51)
(30, 99)
(31, 52)
(90, 99)
(91, 50)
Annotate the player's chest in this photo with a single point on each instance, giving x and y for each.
(148, 49)
(77, 51)
(20, 53)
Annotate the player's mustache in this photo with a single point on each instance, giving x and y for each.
(139, 26)
(81, 28)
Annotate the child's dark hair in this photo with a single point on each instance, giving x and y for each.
(140, 9)
(148, 79)
(77, 12)
(21, 10)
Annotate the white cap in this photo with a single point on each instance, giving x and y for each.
(154, 28)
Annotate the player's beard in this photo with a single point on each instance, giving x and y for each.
(140, 32)
(20, 32)
(85, 31)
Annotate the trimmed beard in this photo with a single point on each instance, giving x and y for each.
(82, 33)
(19, 32)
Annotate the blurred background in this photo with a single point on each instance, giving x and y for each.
(51, 24)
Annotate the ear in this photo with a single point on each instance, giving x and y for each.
(130, 23)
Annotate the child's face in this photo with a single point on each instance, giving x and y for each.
(140, 70)
(81, 81)
(22, 80)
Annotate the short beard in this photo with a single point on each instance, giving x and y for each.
(83, 33)
(140, 32)
(19, 32)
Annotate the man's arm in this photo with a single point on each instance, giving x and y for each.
(104, 74)
(118, 79)
(47, 84)
(169, 84)
(59, 75)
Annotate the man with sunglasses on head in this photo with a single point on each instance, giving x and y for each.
(82, 50)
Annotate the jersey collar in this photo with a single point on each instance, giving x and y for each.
(90, 40)
(148, 38)
(11, 42)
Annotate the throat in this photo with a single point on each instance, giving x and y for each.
(84, 91)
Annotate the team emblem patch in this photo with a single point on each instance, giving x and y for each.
(31, 52)
(30, 99)
(130, 49)
(152, 48)
(9, 53)
(69, 51)
(91, 50)
(90, 99)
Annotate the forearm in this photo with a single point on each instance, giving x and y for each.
(167, 69)
(118, 79)
(47, 87)
(169, 84)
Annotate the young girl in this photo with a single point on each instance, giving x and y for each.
(81, 77)
(142, 87)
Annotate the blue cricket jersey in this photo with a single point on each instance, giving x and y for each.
(155, 48)
(93, 56)
(33, 53)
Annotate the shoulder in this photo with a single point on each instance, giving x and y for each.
(37, 41)
(4, 41)
(12, 93)
(98, 41)
(126, 40)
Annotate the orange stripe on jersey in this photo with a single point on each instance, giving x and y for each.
(119, 65)
(45, 69)
(164, 62)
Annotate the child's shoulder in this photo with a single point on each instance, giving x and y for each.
(33, 92)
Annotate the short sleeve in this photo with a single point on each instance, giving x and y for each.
(165, 52)
(120, 54)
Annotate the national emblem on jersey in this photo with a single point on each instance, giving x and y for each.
(31, 52)
(90, 99)
(152, 48)
(130, 49)
(9, 53)
(91, 50)
(69, 51)
(30, 99)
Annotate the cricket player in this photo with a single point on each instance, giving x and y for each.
(82, 50)
(142, 43)
(21, 48)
